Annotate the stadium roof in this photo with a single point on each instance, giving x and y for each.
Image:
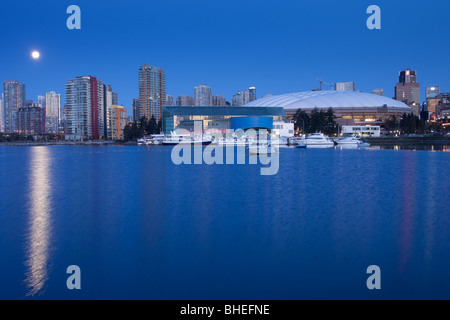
(326, 99)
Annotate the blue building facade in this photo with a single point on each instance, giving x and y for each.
(220, 118)
(251, 122)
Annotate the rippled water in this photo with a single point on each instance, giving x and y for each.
(141, 227)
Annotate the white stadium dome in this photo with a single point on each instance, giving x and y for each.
(327, 98)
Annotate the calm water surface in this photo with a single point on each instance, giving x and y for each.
(140, 227)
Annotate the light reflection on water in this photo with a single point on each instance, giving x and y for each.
(38, 241)
(425, 147)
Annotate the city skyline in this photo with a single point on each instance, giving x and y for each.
(130, 104)
(277, 58)
(149, 76)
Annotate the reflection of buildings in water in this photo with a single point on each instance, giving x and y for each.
(408, 212)
(38, 240)
(427, 147)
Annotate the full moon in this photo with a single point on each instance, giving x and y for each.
(35, 54)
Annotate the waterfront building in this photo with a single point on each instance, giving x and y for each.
(13, 99)
(345, 86)
(283, 129)
(85, 114)
(407, 90)
(118, 121)
(213, 118)
(52, 111)
(361, 131)
(152, 91)
(185, 101)
(31, 120)
(202, 95)
(350, 107)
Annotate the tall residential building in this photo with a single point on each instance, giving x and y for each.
(85, 108)
(345, 86)
(243, 97)
(252, 93)
(237, 100)
(115, 97)
(52, 111)
(185, 101)
(218, 101)
(30, 120)
(407, 89)
(169, 101)
(378, 91)
(118, 121)
(64, 113)
(110, 98)
(152, 91)
(433, 98)
(432, 91)
(13, 99)
(135, 106)
(202, 95)
(62, 124)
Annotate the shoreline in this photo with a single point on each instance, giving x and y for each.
(66, 143)
(382, 141)
(404, 141)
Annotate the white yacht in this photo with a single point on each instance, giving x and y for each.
(142, 142)
(318, 140)
(348, 141)
(174, 139)
(352, 141)
(364, 144)
(157, 138)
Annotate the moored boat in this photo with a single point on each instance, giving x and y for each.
(176, 139)
(318, 140)
(348, 141)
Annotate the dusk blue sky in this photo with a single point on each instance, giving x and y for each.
(278, 46)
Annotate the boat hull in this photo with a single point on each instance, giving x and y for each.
(320, 145)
